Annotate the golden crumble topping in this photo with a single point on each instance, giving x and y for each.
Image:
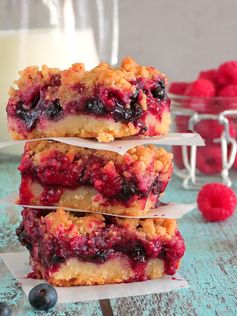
(140, 156)
(88, 223)
(102, 74)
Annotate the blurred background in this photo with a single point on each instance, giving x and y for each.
(179, 37)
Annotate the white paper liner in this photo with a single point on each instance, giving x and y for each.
(169, 210)
(17, 263)
(122, 146)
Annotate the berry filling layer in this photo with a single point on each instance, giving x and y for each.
(128, 100)
(56, 239)
(59, 174)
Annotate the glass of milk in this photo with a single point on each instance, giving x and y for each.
(57, 33)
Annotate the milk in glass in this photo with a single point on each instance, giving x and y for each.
(19, 49)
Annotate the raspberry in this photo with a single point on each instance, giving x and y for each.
(178, 87)
(216, 202)
(110, 183)
(209, 159)
(201, 88)
(210, 75)
(227, 73)
(212, 129)
(209, 129)
(229, 91)
(181, 122)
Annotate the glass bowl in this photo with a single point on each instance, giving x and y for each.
(215, 119)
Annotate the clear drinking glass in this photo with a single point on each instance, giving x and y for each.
(57, 33)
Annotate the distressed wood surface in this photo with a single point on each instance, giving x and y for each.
(209, 264)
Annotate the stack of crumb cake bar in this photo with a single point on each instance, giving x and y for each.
(105, 239)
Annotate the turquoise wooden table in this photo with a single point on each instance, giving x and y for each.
(209, 265)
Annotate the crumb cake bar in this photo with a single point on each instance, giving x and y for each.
(57, 174)
(83, 249)
(103, 103)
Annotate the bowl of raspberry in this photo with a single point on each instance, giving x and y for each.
(208, 106)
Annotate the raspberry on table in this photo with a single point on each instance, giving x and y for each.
(227, 73)
(178, 87)
(216, 202)
(201, 88)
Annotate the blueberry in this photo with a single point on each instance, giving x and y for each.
(128, 189)
(5, 309)
(142, 127)
(100, 257)
(57, 259)
(156, 187)
(23, 237)
(135, 96)
(43, 297)
(137, 111)
(35, 101)
(30, 117)
(119, 112)
(95, 106)
(159, 91)
(138, 253)
(126, 115)
(54, 110)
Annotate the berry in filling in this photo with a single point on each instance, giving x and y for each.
(55, 237)
(60, 169)
(131, 94)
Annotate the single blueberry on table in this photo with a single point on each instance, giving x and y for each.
(43, 297)
(5, 309)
